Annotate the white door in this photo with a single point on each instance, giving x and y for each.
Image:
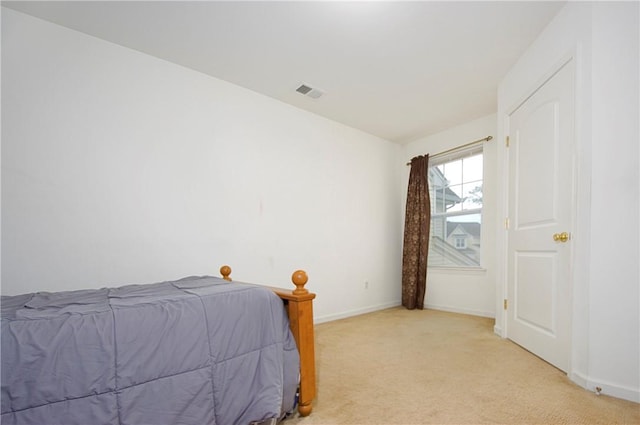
(541, 132)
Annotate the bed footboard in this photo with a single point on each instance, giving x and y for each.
(299, 306)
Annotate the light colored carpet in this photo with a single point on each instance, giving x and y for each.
(430, 367)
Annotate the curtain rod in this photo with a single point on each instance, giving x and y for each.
(485, 139)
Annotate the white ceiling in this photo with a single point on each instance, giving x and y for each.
(397, 70)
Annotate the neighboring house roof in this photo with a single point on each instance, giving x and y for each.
(472, 229)
(451, 197)
(447, 251)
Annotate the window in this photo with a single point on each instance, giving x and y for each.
(455, 184)
(461, 242)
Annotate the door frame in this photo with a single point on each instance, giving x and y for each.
(501, 327)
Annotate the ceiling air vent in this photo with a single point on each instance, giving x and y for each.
(309, 91)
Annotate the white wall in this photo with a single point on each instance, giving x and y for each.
(614, 351)
(119, 168)
(464, 291)
(603, 38)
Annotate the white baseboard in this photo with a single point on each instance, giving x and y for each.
(356, 312)
(461, 310)
(606, 388)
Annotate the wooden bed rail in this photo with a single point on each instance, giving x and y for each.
(299, 306)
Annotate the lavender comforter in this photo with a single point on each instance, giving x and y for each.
(194, 351)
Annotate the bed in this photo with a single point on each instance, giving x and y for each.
(199, 350)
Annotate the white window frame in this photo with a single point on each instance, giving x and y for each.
(450, 156)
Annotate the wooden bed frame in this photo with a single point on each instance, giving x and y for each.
(299, 306)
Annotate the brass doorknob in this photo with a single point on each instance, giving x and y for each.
(561, 237)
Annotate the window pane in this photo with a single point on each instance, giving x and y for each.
(455, 241)
(472, 168)
(453, 198)
(472, 195)
(436, 185)
(438, 227)
(453, 172)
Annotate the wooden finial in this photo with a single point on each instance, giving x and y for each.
(299, 279)
(225, 271)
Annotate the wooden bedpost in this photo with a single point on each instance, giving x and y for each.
(299, 303)
(225, 271)
(299, 306)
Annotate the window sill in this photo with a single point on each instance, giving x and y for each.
(457, 270)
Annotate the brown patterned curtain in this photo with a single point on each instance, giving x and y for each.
(417, 224)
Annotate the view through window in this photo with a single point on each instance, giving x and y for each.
(455, 184)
